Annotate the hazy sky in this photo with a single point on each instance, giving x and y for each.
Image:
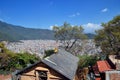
(46, 13)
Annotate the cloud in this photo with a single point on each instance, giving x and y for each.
(104, 10)
(74, 15)
(51, 27)
(88, 28)
(91, 27)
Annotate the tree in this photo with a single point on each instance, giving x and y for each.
(70, 37)
(10, 61)
(87, 60)
(48, 53)
(108, 38)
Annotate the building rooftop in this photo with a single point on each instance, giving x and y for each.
(103, 66)
(113, 59)
(98, 79)
(63, 62)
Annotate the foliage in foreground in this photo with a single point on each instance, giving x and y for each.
(10, 61)
(108, 38)
(87, 60)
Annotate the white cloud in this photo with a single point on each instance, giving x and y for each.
(91, 27)
(51, 27)
(74, 15)
(104, 10)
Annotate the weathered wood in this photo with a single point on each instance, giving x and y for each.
(32, 73)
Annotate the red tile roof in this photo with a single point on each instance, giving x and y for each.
(97, 78)
(103, 66)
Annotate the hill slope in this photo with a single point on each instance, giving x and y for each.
(13, 33)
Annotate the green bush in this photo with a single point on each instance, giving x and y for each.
(48, 53)
(87, 60)
(10, 61)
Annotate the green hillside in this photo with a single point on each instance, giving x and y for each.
(12, 32)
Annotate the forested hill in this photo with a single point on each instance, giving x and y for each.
(11, 32)
(90, 35)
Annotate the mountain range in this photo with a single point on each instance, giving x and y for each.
(11, 32)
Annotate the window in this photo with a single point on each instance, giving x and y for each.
(42, 75)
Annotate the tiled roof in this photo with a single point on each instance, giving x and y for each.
(103, 66)
(97, 78)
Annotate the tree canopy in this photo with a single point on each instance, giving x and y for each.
(69, 36)
(87, 60)
(108, 38)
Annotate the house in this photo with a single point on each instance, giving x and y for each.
(99, 69)
(108, 69)
(114, 61)
(58, 66)
(112, 75)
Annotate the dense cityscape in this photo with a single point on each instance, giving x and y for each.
(39, 46)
